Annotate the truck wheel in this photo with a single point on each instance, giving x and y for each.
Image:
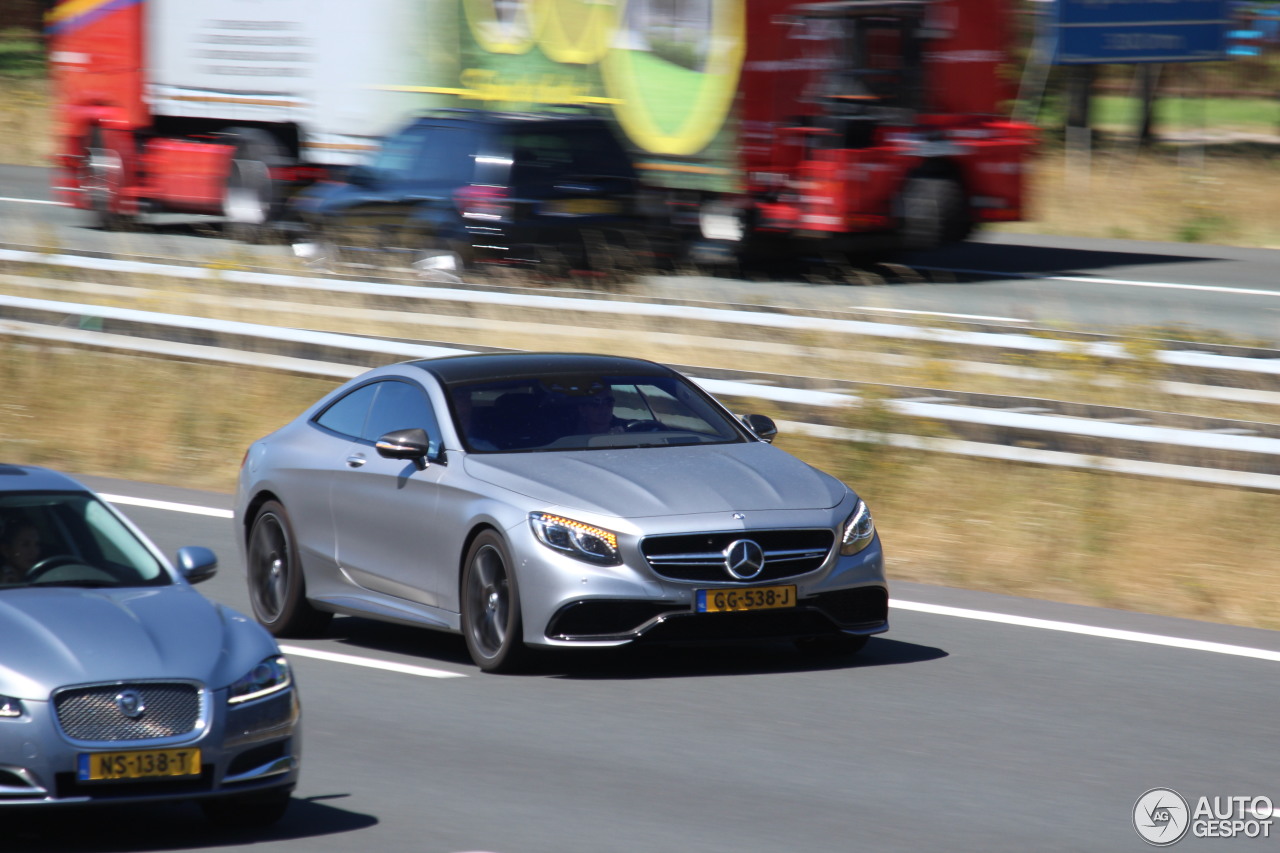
(102, 175)
(933, 213)
(252, 198)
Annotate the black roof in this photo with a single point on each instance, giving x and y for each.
(30, 478)
(482, 367)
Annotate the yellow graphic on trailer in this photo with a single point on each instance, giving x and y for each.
(500, 26)
(578, 32)
(668, 68)
(675, 77)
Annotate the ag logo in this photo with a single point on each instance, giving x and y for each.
(1161, 816)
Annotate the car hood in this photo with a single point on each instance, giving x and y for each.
(651, 481)
(58, 636)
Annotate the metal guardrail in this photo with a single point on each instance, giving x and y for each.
(228, 337)
(1198, 357)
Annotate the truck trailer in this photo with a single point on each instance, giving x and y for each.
(805, 125)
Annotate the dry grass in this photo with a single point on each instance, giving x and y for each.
(1082, 537)
(1222, 194)
(26, 122)
(113, 415)
(1153, 546)
(1088, 538)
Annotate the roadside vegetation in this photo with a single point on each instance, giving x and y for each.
(1085, 537)
(1149, 545)
(1091, 538)
(1210, 182)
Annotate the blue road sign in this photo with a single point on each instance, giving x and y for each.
(1119, 31)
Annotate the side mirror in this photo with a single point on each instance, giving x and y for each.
(762, 425)
(412, 444)
(196, 563)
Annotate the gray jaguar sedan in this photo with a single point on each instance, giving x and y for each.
(551, 500)
(119, 682)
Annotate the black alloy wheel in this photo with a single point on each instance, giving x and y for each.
(491, 620)
(277, 586)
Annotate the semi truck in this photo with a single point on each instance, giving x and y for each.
(811, 125)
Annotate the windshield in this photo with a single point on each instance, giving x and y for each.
(556, 412)
(70, 539)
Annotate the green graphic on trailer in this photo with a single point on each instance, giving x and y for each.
(667, 70)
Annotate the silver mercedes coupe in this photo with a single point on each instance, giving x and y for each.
(119, 682)
(551, 500)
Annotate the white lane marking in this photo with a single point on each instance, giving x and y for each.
(1123, 282)
(371, 663)
(33, 201)
(936, 314)
(1088, 630)
(407, 669)
(936, 609)
(169, 505)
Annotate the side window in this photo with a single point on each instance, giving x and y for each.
(445, 156)
(396, 158)
(400, 405)
(347, 415)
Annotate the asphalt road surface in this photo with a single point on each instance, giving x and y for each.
(951, 732)
(1094, 285)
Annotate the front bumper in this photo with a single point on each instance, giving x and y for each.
(254, 747)
(861, 611)
(566, 602)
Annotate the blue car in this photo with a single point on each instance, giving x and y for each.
(463, 187)
(120, 683)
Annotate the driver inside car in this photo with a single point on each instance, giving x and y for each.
(595, 414)
(19, 550)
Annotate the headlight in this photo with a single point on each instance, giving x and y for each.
(10, 708)
(584, 541)
(859, 530)
(270, 676)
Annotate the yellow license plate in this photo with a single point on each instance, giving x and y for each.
(141, 764)
(746, 598)
(584, 207)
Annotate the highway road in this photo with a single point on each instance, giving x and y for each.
(951, 732)
(979, 722)
(1096, 285)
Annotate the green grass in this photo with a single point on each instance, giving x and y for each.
(1180, 115)
(21, 55)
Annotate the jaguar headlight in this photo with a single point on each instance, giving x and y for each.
(271, 675)
(10, 708)
(859, 530)
(584, 541)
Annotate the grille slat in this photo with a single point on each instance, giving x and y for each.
(93, 714)
(699, 557)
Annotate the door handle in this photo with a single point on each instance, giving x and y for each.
(355, 461)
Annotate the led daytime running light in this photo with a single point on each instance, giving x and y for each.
(583, 541)
(609, 538)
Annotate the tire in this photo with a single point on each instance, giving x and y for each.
(252, 200)
(491, 621)
(277, 584)
(933, 213)
(831, 645)
(246, 812)
(102, 175)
